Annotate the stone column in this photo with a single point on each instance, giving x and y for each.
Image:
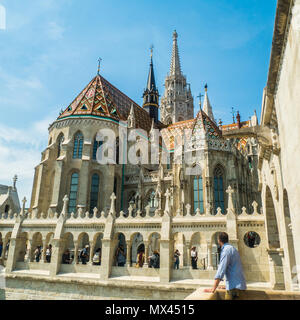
(165, 261)
(146, 244)
(43, 260)
(128, 255)
(107, 257)
(276, 270)
(91, 253)
(188, 253)
(76, 247)
(58, 246)
(29, 252)
(209, 256)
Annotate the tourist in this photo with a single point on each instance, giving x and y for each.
(251, 239)
(48, 253)
(154, 260)
(176, 259)
(97, 257)
(66, 259)
(194, 258)
(84, 254)
(120, 255)
(231, 267)
(140, 259)
(37, 254)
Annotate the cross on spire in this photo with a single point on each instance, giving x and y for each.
(200, 99)
(151, 50)
(99, 65)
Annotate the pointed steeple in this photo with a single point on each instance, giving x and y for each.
(175, 62)
(151, 78)
(207, 108)
(131, 118)
(151, 96)
(177, 102)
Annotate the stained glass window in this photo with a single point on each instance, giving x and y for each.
(198, 193)
(219, 190)
(94, 192)
(73, 192)
(78, 144)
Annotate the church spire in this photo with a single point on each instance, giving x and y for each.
(151, 78)
(207, 108)
(151, 96)
(175, 62)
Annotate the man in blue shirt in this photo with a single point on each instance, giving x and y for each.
(231, 267)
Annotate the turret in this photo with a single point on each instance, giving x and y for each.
(151, 95)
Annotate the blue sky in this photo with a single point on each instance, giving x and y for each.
(50, 48)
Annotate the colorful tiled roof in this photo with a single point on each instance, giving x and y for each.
(101, 99)
(234, 126)
(176, 130)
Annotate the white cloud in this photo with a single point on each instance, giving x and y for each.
(55, 31)
(20, 152)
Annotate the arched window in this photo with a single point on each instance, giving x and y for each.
(198, 193)
(6, 209)
(60, 141)
(96, 146)
(78, 144)
(94, 192)
(73, 192)
(219, 189)
(151, 200)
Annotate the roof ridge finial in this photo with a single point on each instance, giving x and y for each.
(15, 178)
(151, 51)
(99, 65)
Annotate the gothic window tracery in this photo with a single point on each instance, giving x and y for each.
(198, 193)
(219, 189)
(73, 192)
(78, 145)
(96, 146)
(151, 200)
(94, 192)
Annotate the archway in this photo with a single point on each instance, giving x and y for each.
(179, 244)
(97, 249)
(136, 242)
(24, 253)
(120, 250)
(68, 247)
(37, 247)
(83, 243)
(215, 250)
(6, 244)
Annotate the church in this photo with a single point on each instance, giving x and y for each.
(174, 179)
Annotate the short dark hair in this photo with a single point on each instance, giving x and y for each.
(223, 237)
